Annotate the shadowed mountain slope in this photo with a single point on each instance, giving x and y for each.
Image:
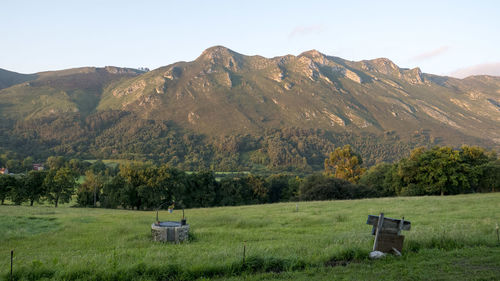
(9, 78)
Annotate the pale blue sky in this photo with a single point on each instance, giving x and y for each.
(438, 36)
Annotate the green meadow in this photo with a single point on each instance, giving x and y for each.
(451, 238)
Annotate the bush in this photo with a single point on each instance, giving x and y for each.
(320, 187)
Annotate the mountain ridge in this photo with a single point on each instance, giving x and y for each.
(10, 78)
(223, 94)
(48, 92)
(227, 70)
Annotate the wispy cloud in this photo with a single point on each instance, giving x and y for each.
(302, 30)
(479, 69)
(430, 54)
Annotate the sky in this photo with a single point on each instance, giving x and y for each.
(441, 37)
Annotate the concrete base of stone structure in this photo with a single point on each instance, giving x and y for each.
(170, 233)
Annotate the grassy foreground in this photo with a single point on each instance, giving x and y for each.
(452, 237)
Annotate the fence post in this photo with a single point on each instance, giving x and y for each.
(498, 234)
(379, 226)
(11, 260)
(244, 250)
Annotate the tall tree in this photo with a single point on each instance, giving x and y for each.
(343, 163)
(112, 192)
(201, 189)
(33, 184)
(89, 192)
(14, 166)
(478, 167)
(379, 177)
(490, 179)
(28, 163)
(60, 185)
(442, 171)
(138, 192)
(233, 191)
(78, 166)
(278, 188)
(98, 167)
(18, 192)
(7, 183)
(56, 162)
(439, 170)
(259, 187)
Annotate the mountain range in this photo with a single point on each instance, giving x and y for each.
(229, 111)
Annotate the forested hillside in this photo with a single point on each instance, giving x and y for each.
(227, 111)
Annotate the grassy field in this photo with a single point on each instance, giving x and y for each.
(452, 237)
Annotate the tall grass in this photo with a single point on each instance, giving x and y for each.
(99, 244)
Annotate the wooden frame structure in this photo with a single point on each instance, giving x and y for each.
(387, 233)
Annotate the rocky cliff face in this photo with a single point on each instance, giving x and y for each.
(224, 93)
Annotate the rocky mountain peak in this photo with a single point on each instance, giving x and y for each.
(121, 70)
(315, 56)
(381, 65)
(221, 55)
(414, 76)
(312, 53)
(217, 52)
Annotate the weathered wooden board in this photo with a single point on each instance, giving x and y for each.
(388, 241)
(389, 224)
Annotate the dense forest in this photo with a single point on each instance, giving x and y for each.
(123, 135)
(435, 171)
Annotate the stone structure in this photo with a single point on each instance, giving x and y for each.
(169, 231)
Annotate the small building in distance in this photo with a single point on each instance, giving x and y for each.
(4, 171)
(38, 167)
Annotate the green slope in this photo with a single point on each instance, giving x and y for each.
(56, 92)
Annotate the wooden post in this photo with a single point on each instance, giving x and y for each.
(379, 226)
(11, 260)
(296, 207)
(244, 250)
(498, 234)
(400, 226)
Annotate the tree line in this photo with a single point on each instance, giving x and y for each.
(435, 171)
(55, 186)
(144, 187)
